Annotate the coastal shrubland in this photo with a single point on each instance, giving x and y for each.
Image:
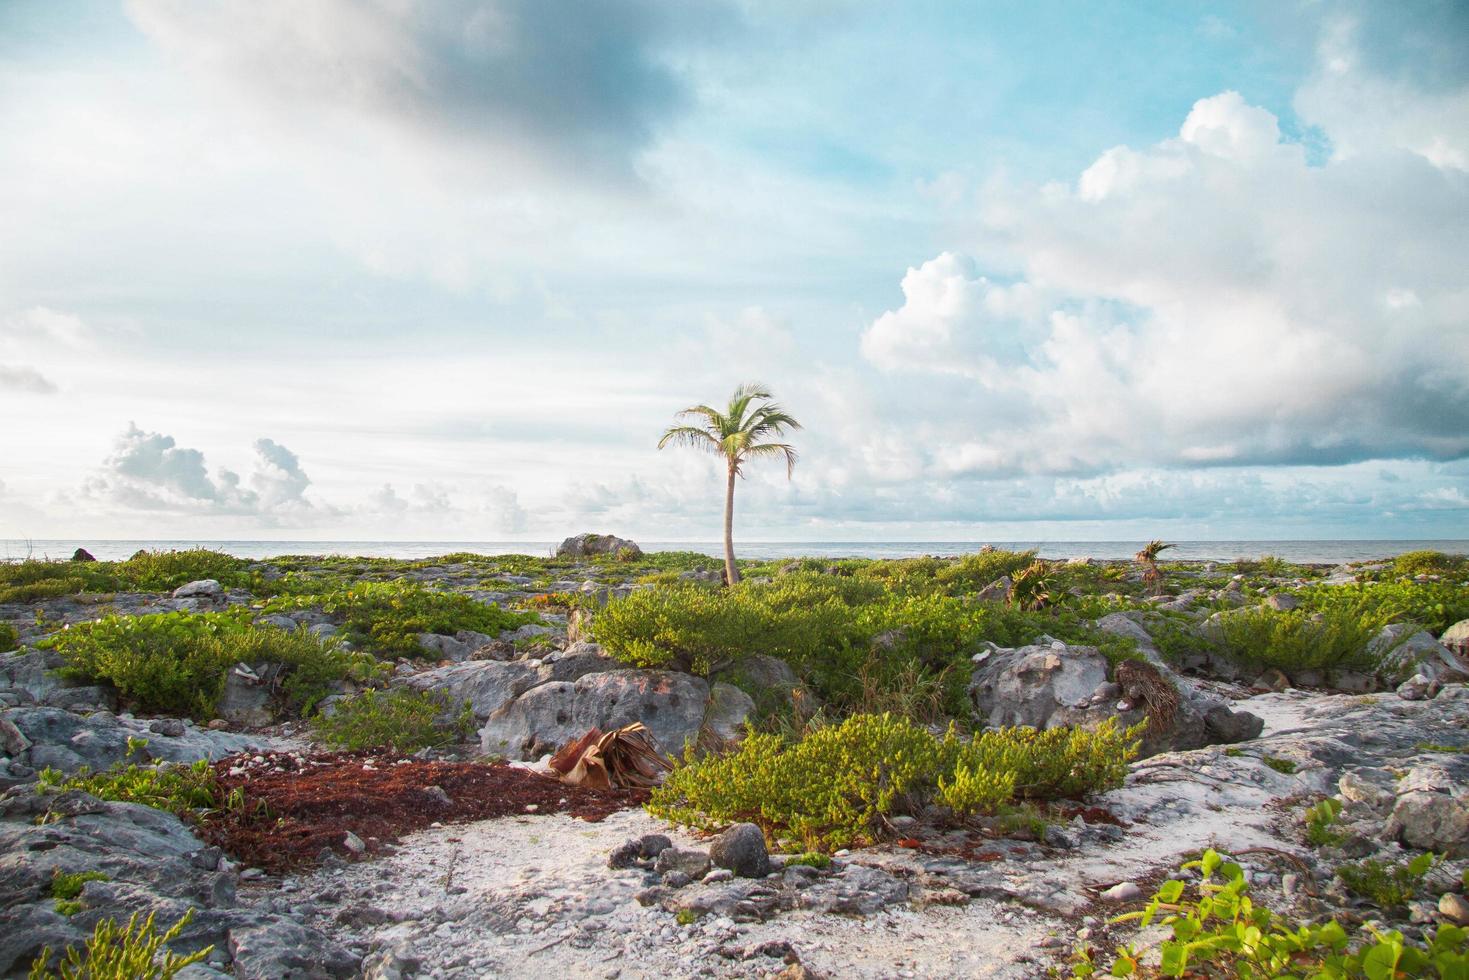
(177, 663)
(134, 951)
(146, 571)
(399, 718)
(184, 790)
(832, 786)
(1335, 637)
(386, 618)
(853, 638)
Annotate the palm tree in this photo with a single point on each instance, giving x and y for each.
(1148, 558)
(737, 434)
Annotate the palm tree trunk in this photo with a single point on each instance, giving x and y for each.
(731, 570)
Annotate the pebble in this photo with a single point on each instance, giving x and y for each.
(1455, 908)
(1127, 891)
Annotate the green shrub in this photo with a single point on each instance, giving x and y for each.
(973, 572)
(179, 789)
(9, 638)
(146, 571)
(1435, 606)
(1334, 637)
(811, 859)
(130, 952)
(177, 663)
(1387, 884)
(1218, 931)
(401, 719)
(1428, 563)
(830, 788)
(158, 571)
(387, 617)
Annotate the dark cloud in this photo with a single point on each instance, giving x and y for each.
(582, 86)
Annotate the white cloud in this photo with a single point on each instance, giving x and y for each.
(25, 379)
(1213, 299)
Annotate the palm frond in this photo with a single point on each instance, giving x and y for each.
(774, 449)
(692, 436)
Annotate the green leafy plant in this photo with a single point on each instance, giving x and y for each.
(1284, 766)
(1336, 636)
(812, 859)
(1147, 557)
(402, 719)
(9, 638)
(1217, 931)
(1320, 823)
(66, 888)
(1428, 563)
(179, 789)
(386, 618)
(1031, 588)
(973, 572)
(177, 663)
(121, 952)
(832, 787)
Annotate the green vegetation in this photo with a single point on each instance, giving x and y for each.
(832, 787)
(738, 434)
(1321, 823)
(1333, 637)
(66, 888)
(387, 617)
(146, 571)
(177, 663)
(1387, 884)
(811, 859)
(180, 789)
(973, 572)
(1435, 606)
(1429, 563)
(1218, 931)
(9, 638)
(1284, 766)
(131, 952)
(864, 642)
(401, 719)
(1147, 557)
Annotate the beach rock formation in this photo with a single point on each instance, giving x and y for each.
(591, 545)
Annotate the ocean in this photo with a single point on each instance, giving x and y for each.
(1321, 552)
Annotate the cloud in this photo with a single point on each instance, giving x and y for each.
(150, 471)
(506, 514)
(1212, 300)
(24, 379)
(516, 83)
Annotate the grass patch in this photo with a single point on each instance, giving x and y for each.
(1284, 766)
(402, 719)
(832, 787)
(177, 663)
(66, 888)
(387, 617)
(1388, 884)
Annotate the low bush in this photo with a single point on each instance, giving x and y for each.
(9, 638)
(387, 617)
(1387, 884)
(1435, 606)
(177, 663)
(1336, 637)
(146, 571)
(121, 952)
(832, 787)
(184, 790)
(1429, 563)
(401, 719)
(1218, 931)
(973, 572)
(1321, 821)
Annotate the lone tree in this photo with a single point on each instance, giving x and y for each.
(738, 433)
(1148, 558)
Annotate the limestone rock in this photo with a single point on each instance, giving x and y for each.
(489, 684)
(587, 545)
(670, 704)
(729, 707)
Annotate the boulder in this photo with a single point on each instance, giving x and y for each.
(691, 862)
(1456, 638)
(1431, 810)
(1046, 686)
(489, 684)
(246, 699)
(206, 588)
(82, 554)
(670, 704)
(742, 850)
(729, 708)
(1406, 650)
(588, 545)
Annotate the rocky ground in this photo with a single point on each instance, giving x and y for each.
(469, 872)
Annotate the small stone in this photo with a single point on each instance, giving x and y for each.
(691, 862)
(1127, 891)
(676, 879)
(718, 875)
(651, 845)
(353, 843)
(624, 855)
(218, 725)
(1455, 908)
(742, 850)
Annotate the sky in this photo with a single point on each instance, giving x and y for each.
(401, 269)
